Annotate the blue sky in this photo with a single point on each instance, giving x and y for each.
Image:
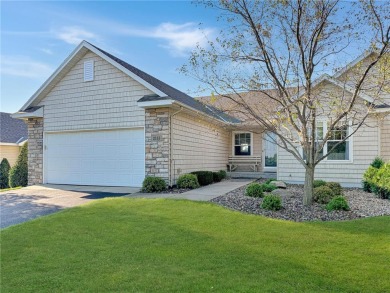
(153, 36)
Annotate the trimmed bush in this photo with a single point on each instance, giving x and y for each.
(188, 181)
(18, 175)
(323, 194)
(268, 187)
(318, 183)
(272, 202)
(4, 173)
(377, 163)
(153, 184)
(223, 174)
(335, 187)
(269, 181)
(204, 177)
(339, 203)
(254, 190)
(217, 177)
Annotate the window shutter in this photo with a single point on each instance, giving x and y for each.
(88, 70)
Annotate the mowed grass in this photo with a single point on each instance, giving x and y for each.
(139, 245)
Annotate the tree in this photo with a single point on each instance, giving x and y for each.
(282, 50)
(18, 175)
(4, 173)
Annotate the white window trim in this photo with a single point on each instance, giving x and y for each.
(325, 149)
(234, 144)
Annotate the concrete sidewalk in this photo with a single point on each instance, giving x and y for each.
(204, 193)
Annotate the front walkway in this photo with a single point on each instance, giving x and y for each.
(204, 193)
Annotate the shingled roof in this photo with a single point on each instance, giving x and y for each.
(12, 130)
(171, 92)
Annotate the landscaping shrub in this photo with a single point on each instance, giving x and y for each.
(318, 183)
(335, 187)
(217, 177)
(272, 202)
(18, 175)
(339, 203)
(380, 183)
(188, 181)
(223, 174)
(153, 184)
(254, 190)
(377, 163)
(368, 178)
(268, 187)
(204, 177)
(378, 180)
(269, 181)
(323, 194)
(4, 173)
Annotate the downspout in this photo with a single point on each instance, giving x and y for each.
(171, 161)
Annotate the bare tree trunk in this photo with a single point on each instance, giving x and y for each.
(308, 188)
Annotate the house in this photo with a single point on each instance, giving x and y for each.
(100, 121)
(13, 134)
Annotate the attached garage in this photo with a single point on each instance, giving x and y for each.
(103, 157)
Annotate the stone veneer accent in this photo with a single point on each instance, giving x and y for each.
(157, 143)
(35, 150)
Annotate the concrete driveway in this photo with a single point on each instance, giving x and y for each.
(21, 205)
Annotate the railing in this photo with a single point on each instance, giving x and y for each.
(253, 162)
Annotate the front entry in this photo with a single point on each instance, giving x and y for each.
(270, 156)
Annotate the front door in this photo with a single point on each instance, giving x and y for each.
(270, 156)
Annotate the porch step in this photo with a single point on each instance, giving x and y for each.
(255, 175)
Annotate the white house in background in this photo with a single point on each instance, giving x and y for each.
(100, 121)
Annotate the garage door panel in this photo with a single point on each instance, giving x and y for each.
(110, 158)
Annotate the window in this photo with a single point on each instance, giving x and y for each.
(88, 70)
(242, 144)
(341, 151)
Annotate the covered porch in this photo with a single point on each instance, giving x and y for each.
(252, 153)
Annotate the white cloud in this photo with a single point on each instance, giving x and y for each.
(24, 67)
(47, 51)
(74, 35)
(180, 38)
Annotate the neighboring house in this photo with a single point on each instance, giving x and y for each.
(100, 121)
(13, 134)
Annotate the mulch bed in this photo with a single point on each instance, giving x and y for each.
(362, 204)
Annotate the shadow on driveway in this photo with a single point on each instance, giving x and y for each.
(28, 203)
(16, 209)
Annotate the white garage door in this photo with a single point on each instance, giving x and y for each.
(108, 158)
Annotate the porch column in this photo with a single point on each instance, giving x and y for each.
(35, 150)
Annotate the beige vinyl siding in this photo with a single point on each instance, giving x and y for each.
(385, 138)
(9, 152)
(109, 101)
(197, 145)
(349, 173)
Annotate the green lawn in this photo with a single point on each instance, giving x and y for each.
(138, 245)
